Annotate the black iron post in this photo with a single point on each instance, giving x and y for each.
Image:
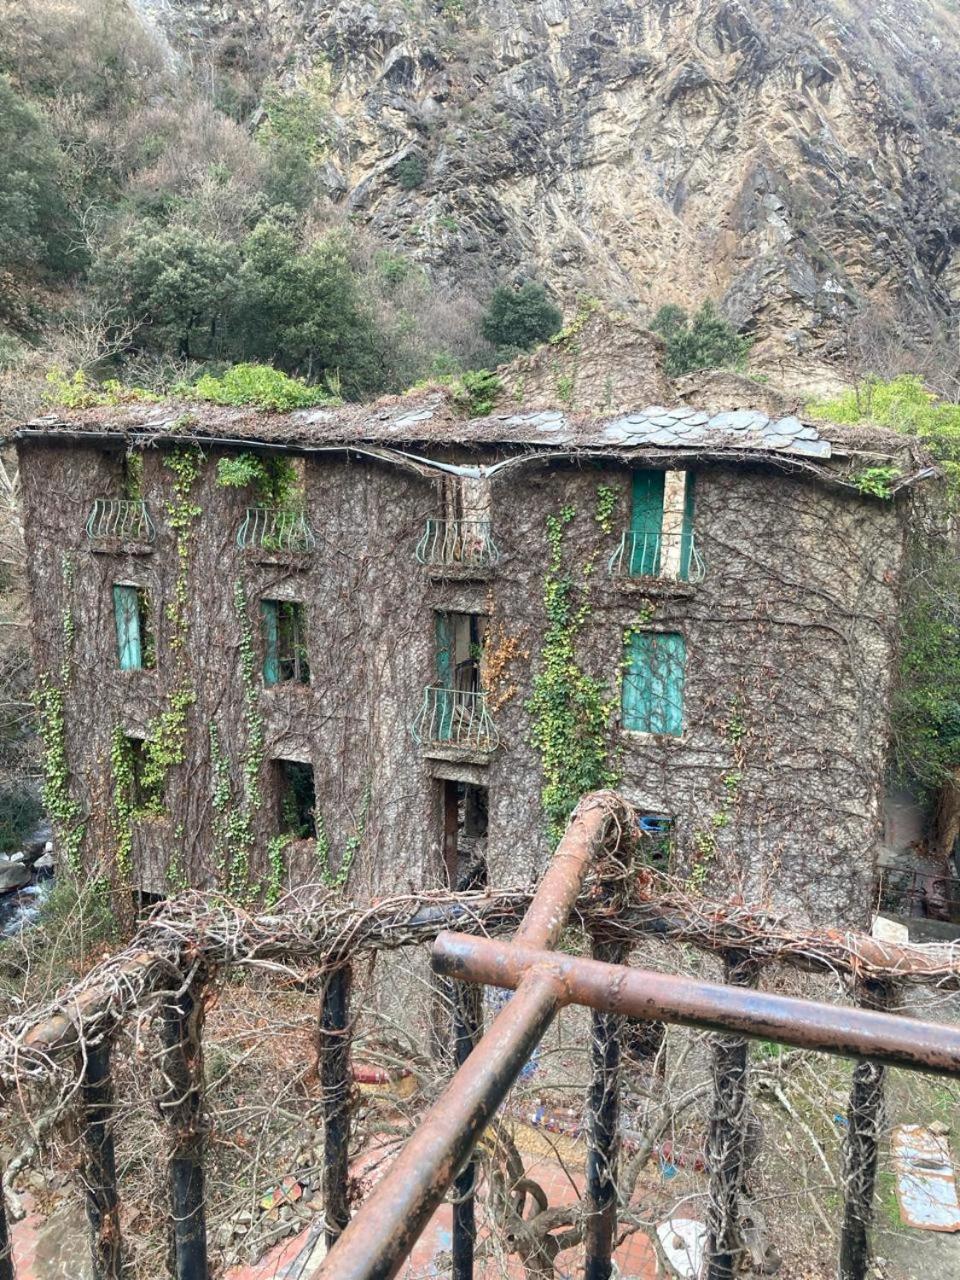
(100, 1167)
(181, 1104)
(603, 1130)
(6, 1245)
(467, 1026)
(334, 1046)
(864, 1117)
(726, 1133)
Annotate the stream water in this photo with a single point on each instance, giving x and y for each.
(19, 910)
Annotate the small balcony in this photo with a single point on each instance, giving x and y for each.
(274, 531)
(120, 524)
(460, 548)
(455, 723)
(671, 557)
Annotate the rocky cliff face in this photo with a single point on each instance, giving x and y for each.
(789, 157)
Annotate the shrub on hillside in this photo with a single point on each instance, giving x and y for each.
(708, 341)
(519, 319)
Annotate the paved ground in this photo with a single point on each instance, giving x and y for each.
(636, 1258)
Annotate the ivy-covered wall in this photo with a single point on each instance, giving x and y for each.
(775, 785)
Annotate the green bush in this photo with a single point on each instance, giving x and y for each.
(925, 712)
(20, 811)
(411, 171)
(176, 285)
(476, 391)
(707, 342)
(904, 405)
(520, 318)
(34, 219)
(258, 385)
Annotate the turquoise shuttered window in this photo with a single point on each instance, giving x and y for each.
(283, 627)
(646, 523)
(653, 683)
(134, 641)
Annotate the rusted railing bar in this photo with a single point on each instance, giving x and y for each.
(726, 1135)
(467, 1018)
(181, 1105)
(100, 1166)
(380, 1236)
(603, 1132)
(334, 1045)
(864, 1113)
(641, 993)
(7, 1271)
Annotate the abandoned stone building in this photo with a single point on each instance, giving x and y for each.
(378, 645)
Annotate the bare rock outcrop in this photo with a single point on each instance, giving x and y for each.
(789, 157)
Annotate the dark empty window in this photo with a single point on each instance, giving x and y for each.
(135, 646)
(146, 791)
(296, 799)
(284, 627)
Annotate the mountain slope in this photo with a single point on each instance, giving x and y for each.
(789, 157)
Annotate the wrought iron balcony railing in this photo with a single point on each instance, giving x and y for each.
(120, 520)
(464, 543)
(645, 555)
(455, 718)
(273, 529)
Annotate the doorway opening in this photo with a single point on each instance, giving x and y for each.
(465, 820)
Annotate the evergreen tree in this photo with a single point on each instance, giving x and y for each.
(519, 319)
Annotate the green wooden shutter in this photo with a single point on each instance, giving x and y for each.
(646, 523)
(126, 608)
(270, 629)
(443, 723)
(653, 683)
(686, 544)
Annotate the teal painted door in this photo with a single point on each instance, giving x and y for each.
(126, 608)
(443, 713)
(653, 683)
(646, 523)
(270, 630)
(686, 542)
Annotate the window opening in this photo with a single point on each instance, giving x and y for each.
(296, 799)
(135, 643)
(459, 712)
(653, 683)
(284, 627)
(660, 540)
(656, 840)
(465, 820)
(146, 796)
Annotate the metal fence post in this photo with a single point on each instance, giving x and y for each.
(334, 1053)
(467, 1027)
(99, 1166)
(6, 1245)
(603, 1131)
(181, 1104)
(864, 1114)
(725, 1137)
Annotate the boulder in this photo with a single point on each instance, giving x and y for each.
(13, 875)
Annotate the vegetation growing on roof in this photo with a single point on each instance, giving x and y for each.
(261, 386)
(905, 405)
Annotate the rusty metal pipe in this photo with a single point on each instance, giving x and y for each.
(641, 993)
(379, 1237)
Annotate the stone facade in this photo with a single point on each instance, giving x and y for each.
(774, 785)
